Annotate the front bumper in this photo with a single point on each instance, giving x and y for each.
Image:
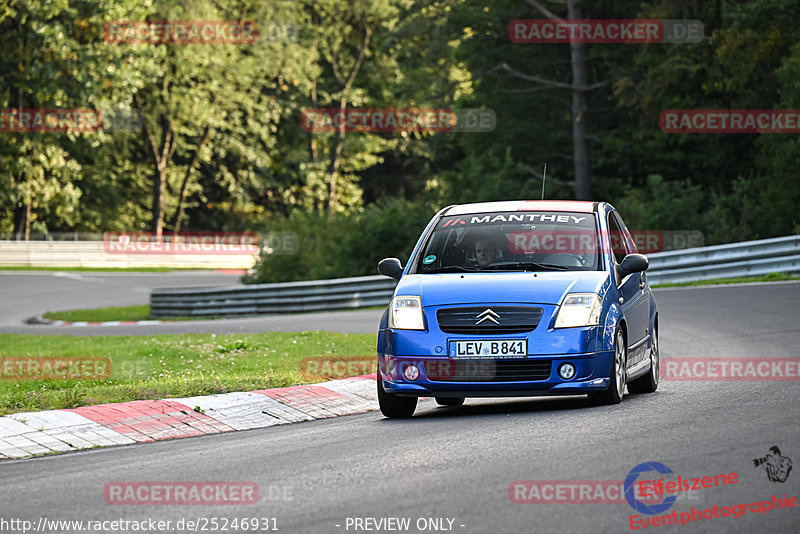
(592, 374)
(589, 349)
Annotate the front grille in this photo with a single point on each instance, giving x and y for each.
(512, 319)
(488, 370)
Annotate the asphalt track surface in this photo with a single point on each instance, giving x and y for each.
(458, 463)
(26, 294)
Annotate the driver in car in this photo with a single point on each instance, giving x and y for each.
(486, 251)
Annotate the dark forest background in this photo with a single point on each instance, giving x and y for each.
(222, 148)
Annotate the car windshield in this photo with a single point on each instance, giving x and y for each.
(512, 241)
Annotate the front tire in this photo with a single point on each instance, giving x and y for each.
(616, 389)
(394, 406)
(649, 382)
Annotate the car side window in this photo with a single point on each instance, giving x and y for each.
(631, 242)
(616, 239)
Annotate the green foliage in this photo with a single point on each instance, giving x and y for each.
(232, 114)
(345, 245)
(662, 205)
(53, 52)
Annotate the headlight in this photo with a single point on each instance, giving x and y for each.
(579, 309)
(405, 313)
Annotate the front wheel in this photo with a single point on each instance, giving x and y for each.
(649, 382)
(394, 406)
(613, 395)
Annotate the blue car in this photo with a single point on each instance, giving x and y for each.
(518, 298)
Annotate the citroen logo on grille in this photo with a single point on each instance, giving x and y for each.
(487, 315)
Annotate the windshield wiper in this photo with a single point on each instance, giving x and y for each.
(526, 265)
(451, 269)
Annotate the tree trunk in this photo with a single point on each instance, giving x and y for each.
(336, 158)
(22, 221)
(159, 185)
(22, 213)
(336, 150)
(580, 103)
(176, 221)
(162, 155)
(580, 109)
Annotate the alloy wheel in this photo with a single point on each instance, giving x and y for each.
(619, 364)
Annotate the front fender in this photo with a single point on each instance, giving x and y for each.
(606, 336)
(382, 334)
(653, 311)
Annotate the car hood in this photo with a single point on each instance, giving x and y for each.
(468, 288)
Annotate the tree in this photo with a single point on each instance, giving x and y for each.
(48, 49)
(580, 104)
(210, 102)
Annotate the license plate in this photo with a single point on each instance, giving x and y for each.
(489, 348)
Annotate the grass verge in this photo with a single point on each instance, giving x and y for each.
(134, 313)
(122, 313)
(771, 277)
(163, 366)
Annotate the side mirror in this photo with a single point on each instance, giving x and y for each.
(634, 263)
(391, 267)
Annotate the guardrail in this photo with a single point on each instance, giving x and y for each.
(267, 299)
(750, 258)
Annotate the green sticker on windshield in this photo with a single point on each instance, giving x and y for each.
(429, 259)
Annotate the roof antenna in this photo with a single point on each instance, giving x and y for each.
(544, 177)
